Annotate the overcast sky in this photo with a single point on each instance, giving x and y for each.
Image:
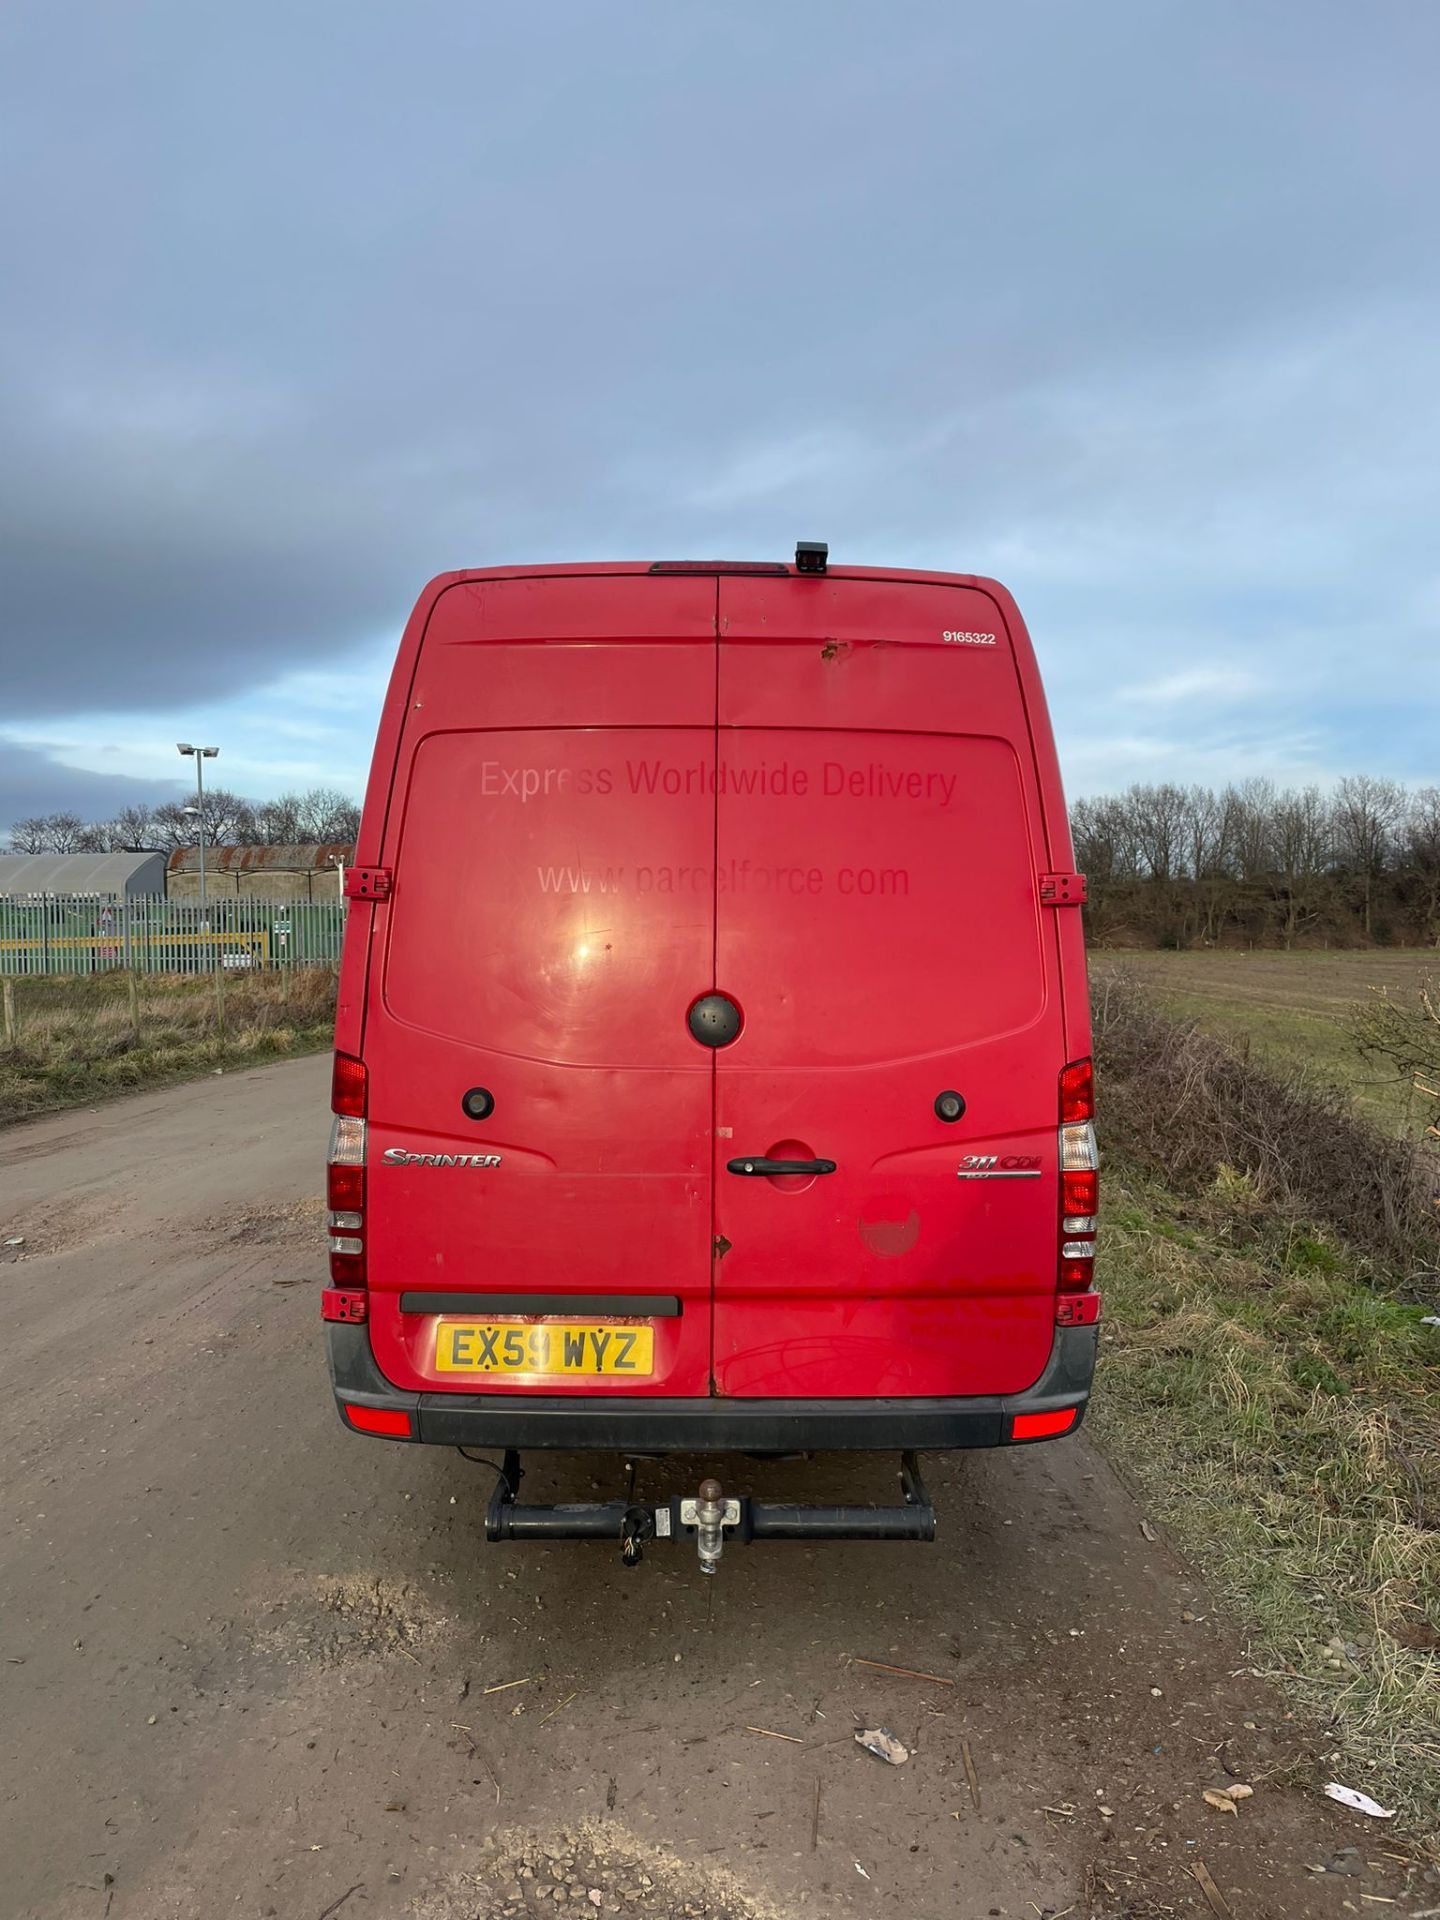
(1132, 305)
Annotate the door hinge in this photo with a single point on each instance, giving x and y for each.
(367, 883)
(1062, 890)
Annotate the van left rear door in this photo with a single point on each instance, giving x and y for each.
(551, 838)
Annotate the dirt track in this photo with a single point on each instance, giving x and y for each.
(244, 1656)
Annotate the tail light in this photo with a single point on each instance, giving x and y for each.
(348, 1086)
(1079, 1191)
(1077, 1091)
(1043, 1426)
(345, 1297)
(394, 1423)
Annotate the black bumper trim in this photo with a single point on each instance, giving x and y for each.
(614, 1423)
(629, 1306)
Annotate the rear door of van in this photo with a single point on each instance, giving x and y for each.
(550, 840)
(880, 841)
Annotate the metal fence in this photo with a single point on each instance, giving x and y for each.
(67, 933)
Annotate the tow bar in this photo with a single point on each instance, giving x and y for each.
(709, 1518)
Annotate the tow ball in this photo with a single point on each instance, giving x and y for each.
(709, 1518)
(711, 1511)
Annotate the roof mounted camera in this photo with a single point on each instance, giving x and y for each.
(811, 556)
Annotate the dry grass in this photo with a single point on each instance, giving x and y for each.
(1184, 1106)
(84, 1039)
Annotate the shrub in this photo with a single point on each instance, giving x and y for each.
(1191, 1110)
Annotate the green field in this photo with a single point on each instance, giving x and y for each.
(1294, 1009)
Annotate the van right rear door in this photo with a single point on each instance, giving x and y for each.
(880, 837)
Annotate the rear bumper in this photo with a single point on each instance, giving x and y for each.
(608, 1423)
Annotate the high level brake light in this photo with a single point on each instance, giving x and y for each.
(345, 1298)
(1079, 1189)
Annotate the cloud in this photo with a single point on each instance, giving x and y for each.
(1109, 306)
(754, 474)
(1108, 762)
(1210, 686)
(31, 782)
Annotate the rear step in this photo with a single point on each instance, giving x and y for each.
(710, 1518)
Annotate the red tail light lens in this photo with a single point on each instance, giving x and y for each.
(1077, 1092)
(348, 1086)
(393, 1422)
(345, 1189)
(1079, 1194)
(1076, 1275)
(1042, 1426)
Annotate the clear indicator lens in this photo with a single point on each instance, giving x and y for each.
(347, 1141)
(1078, 1151)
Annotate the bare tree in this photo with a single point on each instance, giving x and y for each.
(56, 833)
(131, 827)
(1300, 829)
(1248, 812)
(1367, 812)
(277, 822)
(329, 815)
(29, 835)
(1420, 838)
(172, 826)
(1204, 833)
(1158, 816)
(322, 813)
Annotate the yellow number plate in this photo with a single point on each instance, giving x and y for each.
(563, 1349)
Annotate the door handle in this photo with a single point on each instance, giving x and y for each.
(760, 1165)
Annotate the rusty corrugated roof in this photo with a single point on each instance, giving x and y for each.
(305, 859)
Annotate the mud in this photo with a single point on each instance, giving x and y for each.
(253, 1665)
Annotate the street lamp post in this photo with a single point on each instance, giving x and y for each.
(201, 755)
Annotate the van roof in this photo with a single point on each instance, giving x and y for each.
(778, 568)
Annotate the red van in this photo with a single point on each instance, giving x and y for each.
(712, 1060)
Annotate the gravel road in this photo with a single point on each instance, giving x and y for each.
(253, 1665)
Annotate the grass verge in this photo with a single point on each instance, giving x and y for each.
(1270, 1390)
(1282, 1418)
(86, 1039)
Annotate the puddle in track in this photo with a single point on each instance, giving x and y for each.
(594, 1867)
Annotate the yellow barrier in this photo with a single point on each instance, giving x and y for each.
(257, 942)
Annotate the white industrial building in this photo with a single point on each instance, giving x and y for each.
(88, 876)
